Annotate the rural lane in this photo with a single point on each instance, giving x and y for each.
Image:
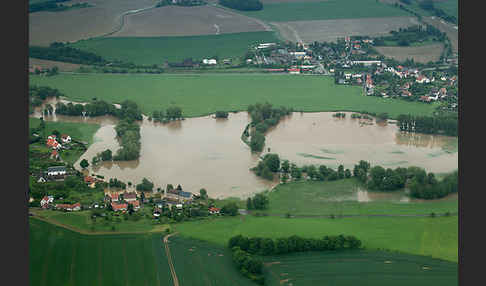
(169, 258)
(122, 19)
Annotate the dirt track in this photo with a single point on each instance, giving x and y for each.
(185, 21)
(169, 258)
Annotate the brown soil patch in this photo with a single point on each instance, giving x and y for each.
(284, 281)
(272, 263)
(331, 30)
(76, 24)
(183, 21)
(422, 54)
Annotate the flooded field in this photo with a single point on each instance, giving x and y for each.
(208, 153)
(320, 138)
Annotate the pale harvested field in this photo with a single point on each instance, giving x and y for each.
(288, 1)
(50, 64)
(452, 33)
(185, 21)
(331, 30)
(76, 24)
(422, 54)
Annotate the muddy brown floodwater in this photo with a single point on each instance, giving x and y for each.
(208, 153)
(320, 138)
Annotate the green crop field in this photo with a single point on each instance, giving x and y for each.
(61, 257)
(436, 237)
(202, 263)
(203, 94)
(78, 131)
(340, 197)
(358, 268)
(325, 10)
(157, 50)
(449, 6)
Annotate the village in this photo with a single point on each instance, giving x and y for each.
(117, 198)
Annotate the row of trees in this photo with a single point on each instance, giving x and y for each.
(428, 124)
(263, 117)
(172, 113)
(63, 53)
(128, 110)
(50, 5)
(37, 95)
(221, 114)
(258, 202)
(412, 34)
(426, 186)
(243, 249)
(243, 5)
(284, 245)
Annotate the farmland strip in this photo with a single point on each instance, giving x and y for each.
(169, 258)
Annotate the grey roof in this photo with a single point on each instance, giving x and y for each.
(56, 169)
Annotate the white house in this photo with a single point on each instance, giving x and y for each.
(56, 171)
(422, 79)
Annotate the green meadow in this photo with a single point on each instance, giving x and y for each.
(78, 131)
(61, 257)
(340, 198)
(157, 50)
(378, 268)
(435, 237)
(451, 7)
(203, 94)
(325, 10)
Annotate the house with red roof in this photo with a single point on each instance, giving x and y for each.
(55, 154)
(213, 210)
(114, 197)
(294, 71)
(119, 207)
(135, 204)
(46, 200)
(65, 138)
(68, 207)
(130, 197)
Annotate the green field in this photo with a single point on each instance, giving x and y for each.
(326, 10)
(319, 198)
(203, 94)
(344, 268)
(451, 7)
(436, 237)
(61, 257)
(157, 50)
(78, 131)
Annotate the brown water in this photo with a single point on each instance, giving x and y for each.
(319, 138)
(208, 153)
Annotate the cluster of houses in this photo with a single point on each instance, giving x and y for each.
(53, 144)
(120, 204)
(48, 202)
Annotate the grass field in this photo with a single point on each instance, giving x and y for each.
(319, 198)
(436, 237)
(61, 257)
(332, 9)
(77, 131)
(157, 50)
(358, 268)
(419, 53)
(451, 7)
(203, 94)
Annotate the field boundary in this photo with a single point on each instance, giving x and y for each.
(169, 258)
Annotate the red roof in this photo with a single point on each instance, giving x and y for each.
(114, 196)
(293, 69)
(117, 207)
(135, 204)
(89, 179)
(130, 195)
(213, 209)
(54, 153)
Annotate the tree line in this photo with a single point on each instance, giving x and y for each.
(243, 249)
(374, 178)
(37, 95)
(412, 34)
(243, 5)
(427, 124)
(60, 52)
(172, 113)
(263, 117)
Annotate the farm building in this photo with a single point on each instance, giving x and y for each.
(294, 71)
(56, 171)
(68, 207)
(119, 207)
(213, 210)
